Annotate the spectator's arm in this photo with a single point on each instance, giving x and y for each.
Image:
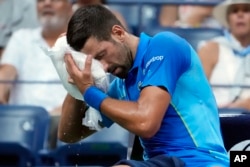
(209, 53)
(7, 73)
(168, 15)
(240, 103)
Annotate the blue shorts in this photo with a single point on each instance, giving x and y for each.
(157, 161)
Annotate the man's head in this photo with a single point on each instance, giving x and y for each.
(95, 30)
(92, 21)
(89, 2)
(54, 14)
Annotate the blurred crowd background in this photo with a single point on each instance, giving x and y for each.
(28, 78)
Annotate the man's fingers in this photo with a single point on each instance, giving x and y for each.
(88, 63)
(81, 78)
(70, 64)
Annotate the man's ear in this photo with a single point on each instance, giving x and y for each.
(118, 32)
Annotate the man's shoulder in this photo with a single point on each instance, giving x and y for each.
(167, 40)
(165, 34)
(166, 37)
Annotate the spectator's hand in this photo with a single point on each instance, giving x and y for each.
(82, 79)
(3, 101)
(239, 103)
(56, 111)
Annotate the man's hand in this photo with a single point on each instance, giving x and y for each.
(82, 79)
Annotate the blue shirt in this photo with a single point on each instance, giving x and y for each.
(190, 128)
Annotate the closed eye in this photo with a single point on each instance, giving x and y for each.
(100, 55)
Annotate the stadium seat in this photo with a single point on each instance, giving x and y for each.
(235, 126)
(103, 148)
(137, 150)
(192, 35)
(23, 132)
(137, 16)
(90, 154)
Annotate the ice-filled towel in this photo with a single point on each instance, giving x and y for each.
(101, 80)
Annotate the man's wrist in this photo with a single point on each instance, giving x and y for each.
(94, 97)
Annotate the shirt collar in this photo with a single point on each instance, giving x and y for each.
(141, 49)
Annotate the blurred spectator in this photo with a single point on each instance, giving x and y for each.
(81, 3)
(168, 15)
(196, 16)
(15, 14)
(226, 59)
(25, 63)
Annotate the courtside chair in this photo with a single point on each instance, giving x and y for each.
(23, 133)
(235, 126)
(104, 148)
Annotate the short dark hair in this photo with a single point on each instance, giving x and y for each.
(90, 21)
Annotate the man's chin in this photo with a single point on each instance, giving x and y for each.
(121, 76)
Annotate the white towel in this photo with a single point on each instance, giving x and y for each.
(101, 79)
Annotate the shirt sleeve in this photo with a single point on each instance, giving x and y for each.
(13, 52)
(117, 91)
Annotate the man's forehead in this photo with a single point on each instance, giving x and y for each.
(92, 44)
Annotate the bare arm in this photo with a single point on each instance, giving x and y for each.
(142, 117)
(168, 15)
(209, 55)
(7, 73)
(70, 129)
(240, 103)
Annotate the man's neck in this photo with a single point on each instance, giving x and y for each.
(133, 43)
